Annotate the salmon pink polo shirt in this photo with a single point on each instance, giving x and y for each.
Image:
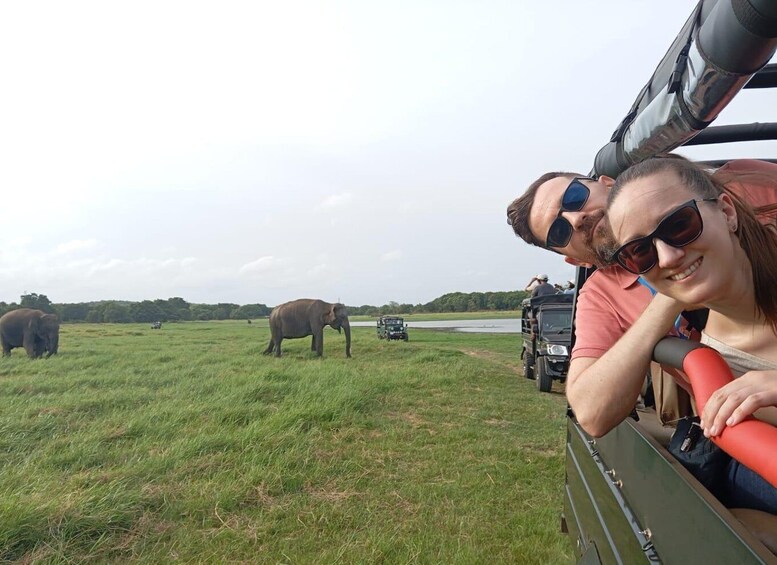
(609, 303)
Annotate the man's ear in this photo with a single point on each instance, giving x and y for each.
(607, 181)
(578, 263)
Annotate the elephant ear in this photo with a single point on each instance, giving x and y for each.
(329, 315)
(34, 325)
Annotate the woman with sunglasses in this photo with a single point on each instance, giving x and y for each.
(693, 240)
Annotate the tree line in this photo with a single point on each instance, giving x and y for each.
(451, 302)
(122, 311)
(178, 309)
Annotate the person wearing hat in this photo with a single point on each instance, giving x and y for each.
(543, 288)
(533, 283)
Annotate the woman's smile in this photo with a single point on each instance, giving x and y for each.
(687, 272)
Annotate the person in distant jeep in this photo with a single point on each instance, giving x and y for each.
(543, 288)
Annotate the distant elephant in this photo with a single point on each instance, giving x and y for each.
(34, 330)
(304, 317)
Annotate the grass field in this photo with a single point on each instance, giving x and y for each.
(185, 444)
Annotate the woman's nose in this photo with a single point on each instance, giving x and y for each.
(668, 257)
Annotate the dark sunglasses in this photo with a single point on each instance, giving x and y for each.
(678, 229)
(573, 200)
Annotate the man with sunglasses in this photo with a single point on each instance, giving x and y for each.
(617, 319)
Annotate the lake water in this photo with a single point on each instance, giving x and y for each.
(501, 326)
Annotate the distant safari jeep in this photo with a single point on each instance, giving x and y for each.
(546, 327)
(392, 327)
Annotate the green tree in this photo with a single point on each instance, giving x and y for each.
(201, 312)
(8, 307)
(37, 301)
(73, 312)
(146, 311)
(248, 311)
(223, 310)
(116, 313)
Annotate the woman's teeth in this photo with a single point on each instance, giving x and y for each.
(687, 272)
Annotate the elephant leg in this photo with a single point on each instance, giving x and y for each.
(270, 346)
(319, 338)
(28, 341)
(313, 344)
(6, 349)
(278, 346)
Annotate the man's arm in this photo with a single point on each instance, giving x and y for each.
(603, 391)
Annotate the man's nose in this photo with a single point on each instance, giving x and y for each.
(668, 257)
(576, 219)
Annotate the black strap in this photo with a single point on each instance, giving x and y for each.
(697, 319)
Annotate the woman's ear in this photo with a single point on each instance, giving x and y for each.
(726, 205)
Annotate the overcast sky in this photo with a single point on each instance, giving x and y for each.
(264, 151)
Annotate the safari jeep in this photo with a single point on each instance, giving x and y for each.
(392, 327)
(546, 328)
(626, 498)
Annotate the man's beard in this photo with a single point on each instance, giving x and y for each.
(605, 247)
(599, 239)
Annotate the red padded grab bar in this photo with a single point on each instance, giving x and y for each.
(751, 442)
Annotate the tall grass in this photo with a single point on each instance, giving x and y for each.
(186, 444)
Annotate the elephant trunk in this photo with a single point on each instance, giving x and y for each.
(347, 327)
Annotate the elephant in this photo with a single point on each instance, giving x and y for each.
(304, 317)
(35, 330)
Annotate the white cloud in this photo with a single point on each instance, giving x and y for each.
(134, 268)
(394, 255)
(319, 271)
(337, 200)
(76, 245)
(261, 265)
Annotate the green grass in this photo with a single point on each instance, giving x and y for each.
(186, 444)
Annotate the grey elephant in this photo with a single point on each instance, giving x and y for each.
(304, 317)
(35, 330)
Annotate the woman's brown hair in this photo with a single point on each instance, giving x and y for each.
(758, 241)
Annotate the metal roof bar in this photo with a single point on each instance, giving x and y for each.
(738, 132)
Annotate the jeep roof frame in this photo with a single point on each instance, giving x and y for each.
(723, 47)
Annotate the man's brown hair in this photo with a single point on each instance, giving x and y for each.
(519, 209)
